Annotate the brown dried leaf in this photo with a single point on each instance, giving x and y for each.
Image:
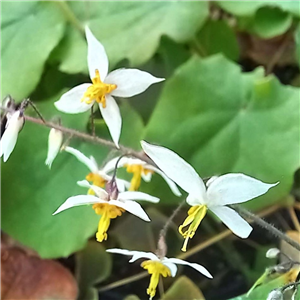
(28, 277)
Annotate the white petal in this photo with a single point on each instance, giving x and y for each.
(132, 207)
(90, 163)
(171, 266)
(135, 254)
(54, 142)
(147, 177)
(197, 267)
(170, 183)
(10, 135)
(110, 165)
(130, 82)
(112, 117)
(97, 58)
(232, 220)
(101, 193)
(71, 103)
(78, 200)
(132, 195)
(235, 188)
(176, 169)
(122, 184)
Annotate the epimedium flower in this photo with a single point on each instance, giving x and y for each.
(14, 121)
(140, 170)
(220, 191)
(109, 203)
(120, 83)
(98, 176)
(158, 266)
(54, 142)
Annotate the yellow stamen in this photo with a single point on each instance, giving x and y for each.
(97, 91)
(107, 213)
(155, 268)
(96, 180)
(137, 171)
(195, 216)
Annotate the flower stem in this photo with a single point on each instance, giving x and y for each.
(262, 223)
(90, 138)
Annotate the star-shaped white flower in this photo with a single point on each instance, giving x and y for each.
(220, 191)
(120, 83)
(109, 206)
(140, 169)
(14, 123)
(97, 176)
(156, 266)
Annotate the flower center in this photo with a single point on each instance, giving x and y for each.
(107, 213)
(155, 268)
(97, 91)
(96, 180)
(195, 216)
(137, 171)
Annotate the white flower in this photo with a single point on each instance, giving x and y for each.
(107, 207)
(97, 176)
(220, 191)
(14, 124)
(275, 295)
(54, 142)
(272, 253)
(156, 266)
(120, 83)
(140, 169)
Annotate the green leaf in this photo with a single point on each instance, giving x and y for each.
(270, 22)
(221, 120)
(132, 297)
(31, 192)
(30, 31)
(262, 291)
(217, 37)
(93, 265)
(132, 30)
(183, 288)
(71, 52)
(297, 40)
(248, 8)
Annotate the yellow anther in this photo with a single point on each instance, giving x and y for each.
(107, 213)
(96, 180)
(195, 216)
(97, 91)
(155, 268)
(137, 171)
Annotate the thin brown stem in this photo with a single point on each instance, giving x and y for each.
(93, 139)
(294, 218)
(262, 223)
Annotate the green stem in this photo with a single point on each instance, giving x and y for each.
(70, 16)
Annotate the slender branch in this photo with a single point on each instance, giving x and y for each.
(262, 223)
(93, 139)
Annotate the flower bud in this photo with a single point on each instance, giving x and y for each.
(275, 295)
(54, 142)
(112, 189)
(272, 253)
(14, 124)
